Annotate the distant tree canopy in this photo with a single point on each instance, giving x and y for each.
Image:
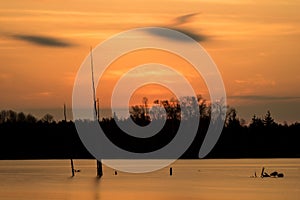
(162, 109)
(171, 109)
(25, 136)
(10, 116)
(48, 118)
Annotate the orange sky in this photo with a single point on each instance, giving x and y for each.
(152, 92)
(253, 43)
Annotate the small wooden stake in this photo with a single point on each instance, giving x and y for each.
(72, 167)
(99, 169)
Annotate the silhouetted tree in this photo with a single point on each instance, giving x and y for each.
(218, 111)
(48, 118)
(11, 116)
(31, 119)
(243, 122)
(3, 116)
(21, 117)
(203, 107)
(145, 107)
(157, 111)
(189, 104)
(231, 119)
(268, 120)
(256, 122)
(136, 112)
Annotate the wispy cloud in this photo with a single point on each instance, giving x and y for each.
(37, 95)
(4, 76)
(42, 40)
(257, 80)
(263, 97)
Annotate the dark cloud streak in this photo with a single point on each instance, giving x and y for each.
(180, 20)
(178, 37)
(184, 19)
(42, 40)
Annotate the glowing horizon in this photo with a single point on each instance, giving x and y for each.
(254, 45)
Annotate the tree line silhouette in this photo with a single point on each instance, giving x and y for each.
(23, 136)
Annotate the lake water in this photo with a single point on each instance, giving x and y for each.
(192, 179)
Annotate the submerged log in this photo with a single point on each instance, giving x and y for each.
(274, 174)
(280, 175)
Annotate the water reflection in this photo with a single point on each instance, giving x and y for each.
(192, 179)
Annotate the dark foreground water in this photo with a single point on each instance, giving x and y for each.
(192, 179)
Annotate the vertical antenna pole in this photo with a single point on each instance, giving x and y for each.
(96, 116)
(98, 109)
(93, 86)
(65, 112)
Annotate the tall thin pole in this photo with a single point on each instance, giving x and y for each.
(98, 109)
(65, 112)
(96, 116)
(93, 85)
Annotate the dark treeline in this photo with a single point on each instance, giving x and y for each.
(26, 137)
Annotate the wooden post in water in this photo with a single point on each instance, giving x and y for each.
(72, 164)
(72, 167)
(99, 169)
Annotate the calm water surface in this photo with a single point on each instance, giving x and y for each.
(192, 179)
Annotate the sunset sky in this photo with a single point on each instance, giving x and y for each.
(255, 45)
